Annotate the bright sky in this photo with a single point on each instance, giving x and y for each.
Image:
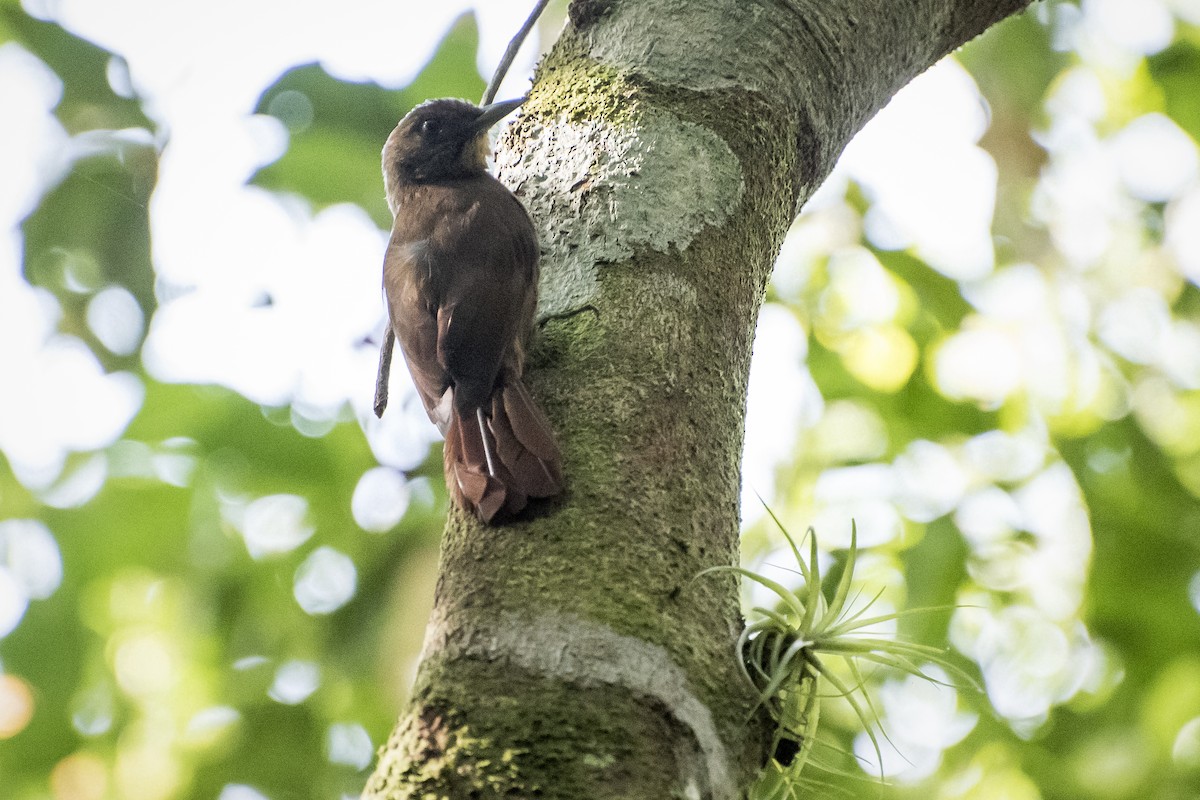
(932, 188)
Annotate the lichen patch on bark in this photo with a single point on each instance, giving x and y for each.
(577, 651)
(599, 191)
(633, 746)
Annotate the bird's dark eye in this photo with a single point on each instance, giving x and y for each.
(430, 127)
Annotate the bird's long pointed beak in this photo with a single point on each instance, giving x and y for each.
(496, 112)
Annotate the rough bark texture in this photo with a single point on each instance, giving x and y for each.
(666, 147)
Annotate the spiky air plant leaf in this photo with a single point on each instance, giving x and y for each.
(786, 652)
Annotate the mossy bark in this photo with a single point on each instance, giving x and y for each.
(573, 653)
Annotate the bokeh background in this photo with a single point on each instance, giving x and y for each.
(982, 345)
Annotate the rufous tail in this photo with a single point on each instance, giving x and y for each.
(497, 457)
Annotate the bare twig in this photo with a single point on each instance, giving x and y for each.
(489, 94)
(506, 60)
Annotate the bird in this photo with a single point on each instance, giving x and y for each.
(460, 279)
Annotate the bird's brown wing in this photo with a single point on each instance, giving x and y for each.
(461, 282)
(412, 310)
(460, 276)
(487, 291)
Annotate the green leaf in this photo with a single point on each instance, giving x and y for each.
(88, 102)
(1014, 64)
(93, 229)
(339, 127)
(1176, 70)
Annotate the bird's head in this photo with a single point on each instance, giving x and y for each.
(440, 140)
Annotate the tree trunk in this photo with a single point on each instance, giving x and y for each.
(665, 148)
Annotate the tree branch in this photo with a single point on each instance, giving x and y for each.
(663, 152)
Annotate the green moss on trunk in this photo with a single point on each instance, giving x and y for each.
(560, 741)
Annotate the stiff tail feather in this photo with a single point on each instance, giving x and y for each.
(498, 457)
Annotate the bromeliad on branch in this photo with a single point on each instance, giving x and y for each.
(785, 652)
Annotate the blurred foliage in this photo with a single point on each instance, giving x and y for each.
(106, 198)
(1127, 729)
(155, 568)
(1174, 72)
(89, 101)
(157, 668)
(154, 670)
